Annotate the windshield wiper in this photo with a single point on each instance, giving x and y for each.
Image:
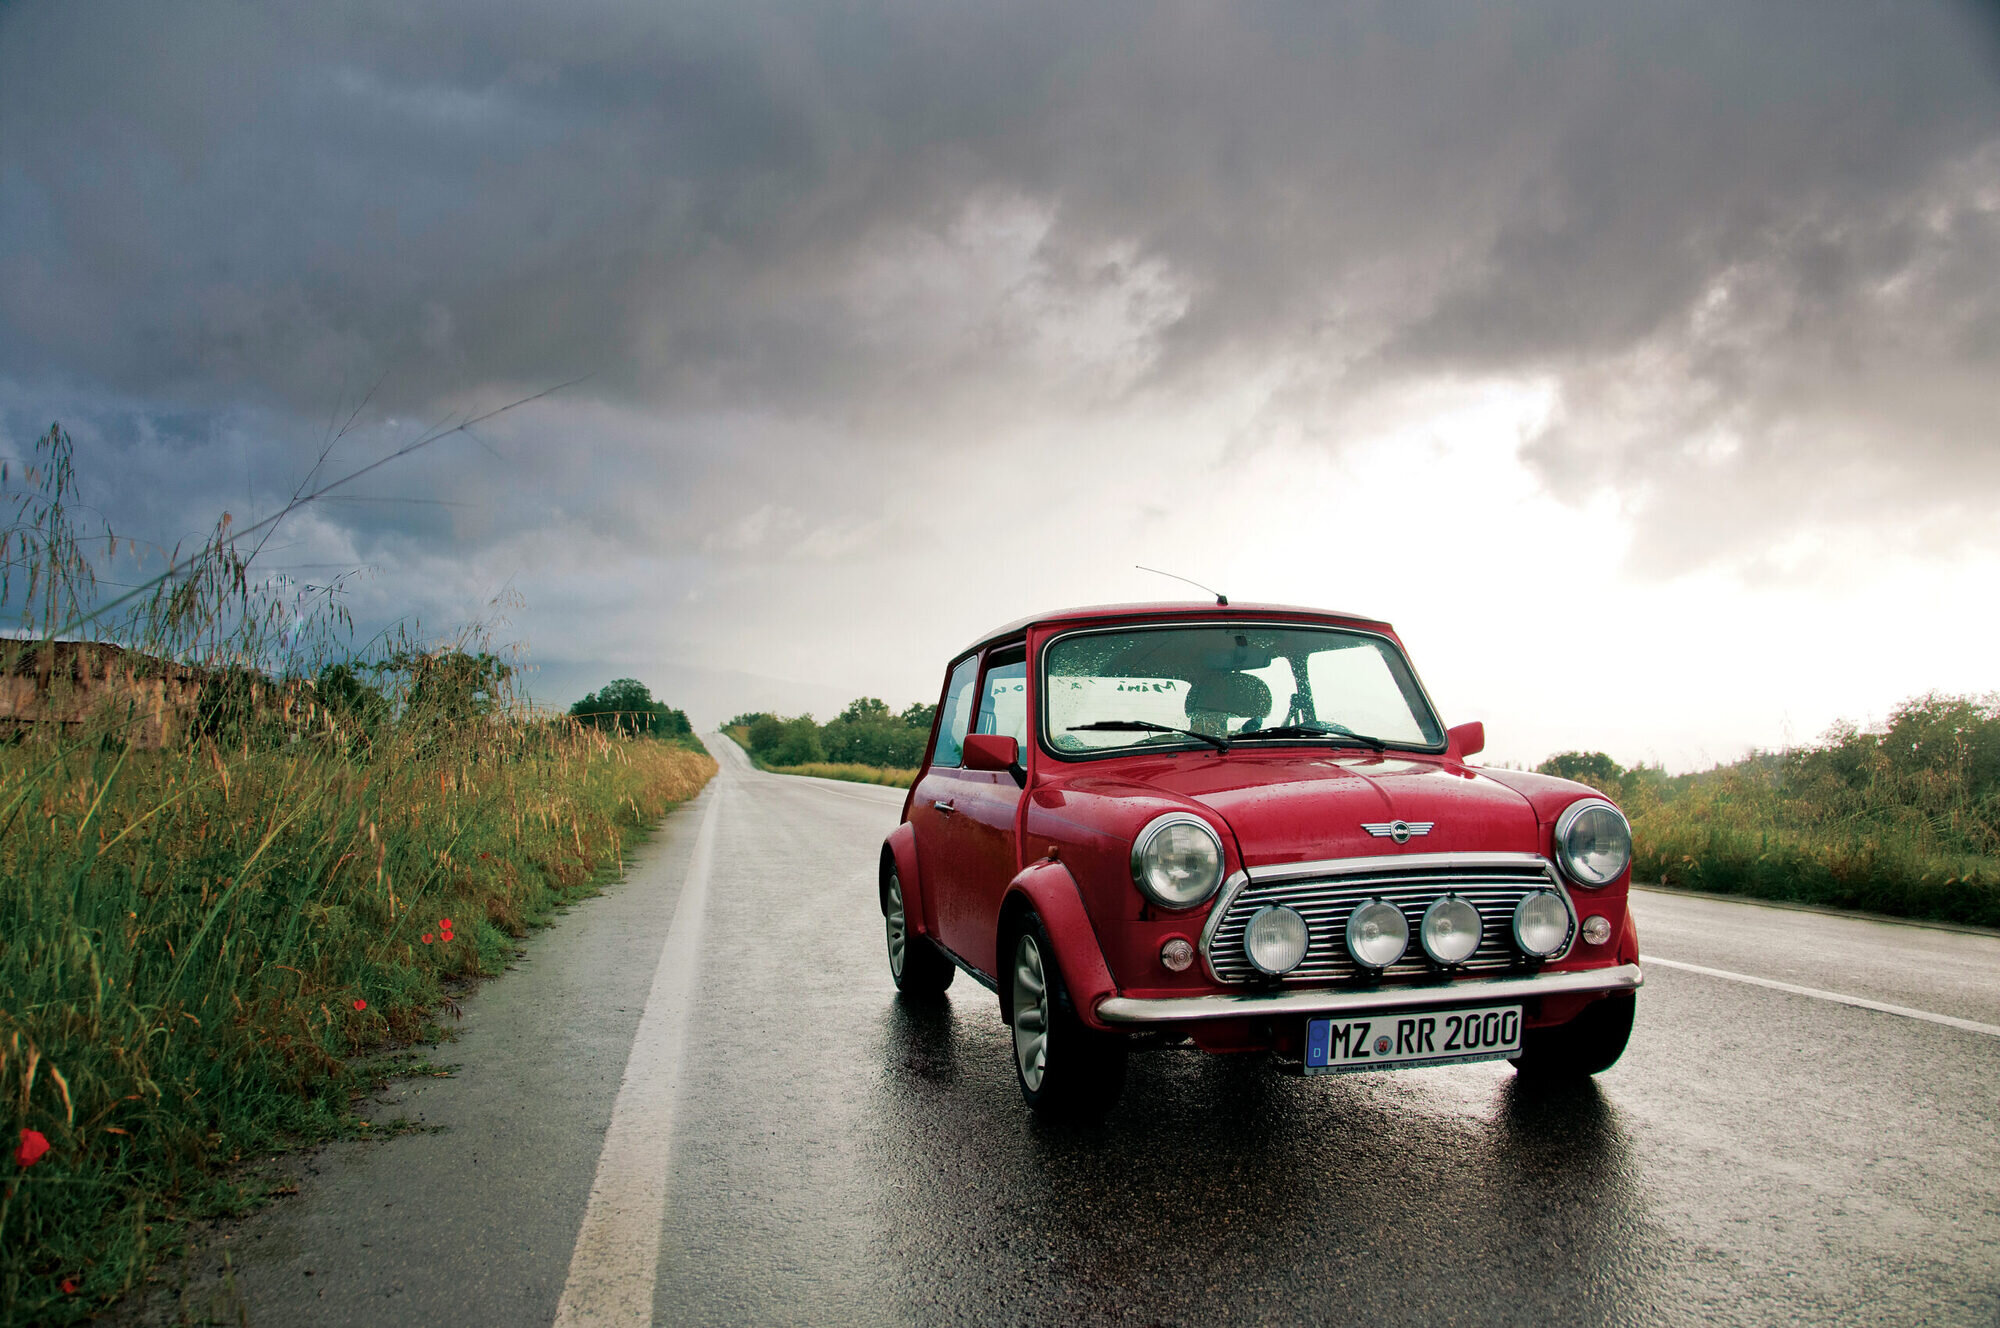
(1318, 730)
(1143, 726)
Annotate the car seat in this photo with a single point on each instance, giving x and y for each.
(1216, 698)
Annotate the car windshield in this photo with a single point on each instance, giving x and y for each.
(1309, 684)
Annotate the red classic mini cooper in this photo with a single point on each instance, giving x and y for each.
(1244, 825)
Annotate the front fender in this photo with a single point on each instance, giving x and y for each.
(899, 850)
(1049, 889)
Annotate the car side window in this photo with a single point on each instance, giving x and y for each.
(957, 720)
(1003, 701)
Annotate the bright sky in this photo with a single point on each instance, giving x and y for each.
(1640, 363)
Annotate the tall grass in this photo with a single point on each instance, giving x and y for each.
(850, 772)
(1743, 831)
(1903, 821)
(196, 939)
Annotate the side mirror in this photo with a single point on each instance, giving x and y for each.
(991, 751)
(1465, 740)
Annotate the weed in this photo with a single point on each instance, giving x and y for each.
(205, 920)
(1905, 821)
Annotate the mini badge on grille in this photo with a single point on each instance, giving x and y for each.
(1400, 831)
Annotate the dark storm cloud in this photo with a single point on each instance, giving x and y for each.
(1742, 240)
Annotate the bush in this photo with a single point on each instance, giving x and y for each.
(1905, 821)
(626, 705)
(232, 710)
(448, 686)
(884, 742)
(1592, 768)
(867, 733)
(765, 731)
(798, 743)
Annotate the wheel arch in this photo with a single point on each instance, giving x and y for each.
(899, 855)
(1047, 890)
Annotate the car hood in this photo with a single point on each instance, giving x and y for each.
(1288, 807)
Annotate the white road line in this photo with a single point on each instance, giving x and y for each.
(616, 1260)
(1949, 1021)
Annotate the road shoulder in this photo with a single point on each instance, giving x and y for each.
(485, 1170)
(1963, 928)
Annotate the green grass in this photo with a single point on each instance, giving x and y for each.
(1738, 836)
(853, 774)
(1903, 821)
(216, 922)
(196, 944)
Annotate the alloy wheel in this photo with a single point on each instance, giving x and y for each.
(1031, 1012)
(898, 927)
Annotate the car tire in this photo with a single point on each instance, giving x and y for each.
(915, 965)
(1589, 1044)
(1065, 1069)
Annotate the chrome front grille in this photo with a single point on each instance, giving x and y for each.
(1326, 893)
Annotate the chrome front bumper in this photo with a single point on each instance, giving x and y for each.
(1179, 1009)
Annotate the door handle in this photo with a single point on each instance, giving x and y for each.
(945, 808)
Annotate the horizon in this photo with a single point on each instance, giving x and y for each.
(1638, 365)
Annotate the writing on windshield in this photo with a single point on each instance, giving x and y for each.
(1224, 681)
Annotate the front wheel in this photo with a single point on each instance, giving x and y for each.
(915, 965)
(1589, 1044)
(1065, 1068)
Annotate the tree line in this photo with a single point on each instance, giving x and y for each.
(867, 732)
(1933, 769)
(1904, 820)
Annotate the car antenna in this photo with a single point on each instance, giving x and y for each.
(1221, 599)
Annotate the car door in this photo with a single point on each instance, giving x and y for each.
(986, 809)
(934, 800)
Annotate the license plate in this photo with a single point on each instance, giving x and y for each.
(1392, 1041)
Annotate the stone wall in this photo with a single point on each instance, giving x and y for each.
(71, 683)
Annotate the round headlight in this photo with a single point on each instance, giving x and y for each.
(1541, 924)
(1377, 934)
(1275, 940)
(1593, 843)
(1450, 930)
(1177, 861)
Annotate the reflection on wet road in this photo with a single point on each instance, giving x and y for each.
(1757, 1157)
(840, 1156)
(1226, 1194)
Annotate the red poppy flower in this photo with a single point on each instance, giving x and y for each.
(447, 936)
(33, 1145)
(444, 924)
(69, 1286)
(427, 938)
(360, 1004)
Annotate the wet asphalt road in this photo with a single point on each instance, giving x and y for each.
(838, 1157)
